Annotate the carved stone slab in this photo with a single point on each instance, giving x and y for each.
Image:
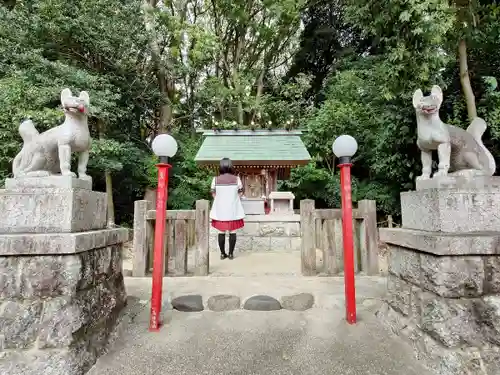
(51, 210)
(458, 210)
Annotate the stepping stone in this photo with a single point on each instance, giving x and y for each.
(262, 303)
(223, 302)
(190, 303)
(298, 302)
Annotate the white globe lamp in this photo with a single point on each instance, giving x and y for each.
(164, 146)
(344, 147)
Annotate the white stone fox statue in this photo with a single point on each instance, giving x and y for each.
(49, 153)
(459, 151)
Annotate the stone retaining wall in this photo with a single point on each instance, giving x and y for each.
(443, 290)
(61, 280)
(56, 312)
(449, 307)
(265, 233)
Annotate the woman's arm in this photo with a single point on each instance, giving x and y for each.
(212, 187)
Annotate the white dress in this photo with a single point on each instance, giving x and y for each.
(227, 203)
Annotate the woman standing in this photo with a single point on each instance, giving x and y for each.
(227, 211)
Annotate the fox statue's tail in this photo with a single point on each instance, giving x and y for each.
(23, 159)
(477, 128)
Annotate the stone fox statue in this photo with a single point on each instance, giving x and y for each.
(459, 151)
(49, 153)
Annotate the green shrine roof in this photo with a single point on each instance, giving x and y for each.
(258, 147)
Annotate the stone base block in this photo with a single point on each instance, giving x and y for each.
(55, 182)
(452, 210)
(52, 210)
(60, 243)
(253, 206)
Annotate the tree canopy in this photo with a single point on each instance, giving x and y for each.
(328, 67)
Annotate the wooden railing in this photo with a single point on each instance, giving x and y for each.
(321, 229)
(187, 239)
(186, 233)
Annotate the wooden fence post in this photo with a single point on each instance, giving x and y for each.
(180, 248)
(308, 232)
(368, 209)
(390, 223)
(202, 238)
(141, 241)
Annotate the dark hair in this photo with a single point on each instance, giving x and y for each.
(226, 166)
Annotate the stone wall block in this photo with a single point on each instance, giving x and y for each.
(117, 287)
(295, 243)
(272, 229)
(88, 304)
(446, 361)
(102, 261)
(450, 321)
(416, 298)
(9, 282)
(280, 244)
(491, 275)
(293, 229)
(243, 243)
(213, 244)
(491, 359)
(61, 319)
(399, 292)
(108, 301)
(116, 262)
(488, 315)
(250, 229)
(50, 276)
(87, 273)
(405, 264)
(261, 243)
(20, 323)
(453, 276)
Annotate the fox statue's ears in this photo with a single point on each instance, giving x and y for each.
(84, 95)
(437, 93)
(417, 97)
(65, 95)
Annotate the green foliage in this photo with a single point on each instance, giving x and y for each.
(239, 64)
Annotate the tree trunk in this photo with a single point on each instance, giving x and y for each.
(164, 84)
(470, 99)
(109, 182)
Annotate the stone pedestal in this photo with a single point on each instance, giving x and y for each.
(61, 281)
(282, 202)
(253, 206)
(444, 276)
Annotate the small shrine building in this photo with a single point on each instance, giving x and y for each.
(260, 158)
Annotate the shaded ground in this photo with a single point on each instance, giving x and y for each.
(317, 341)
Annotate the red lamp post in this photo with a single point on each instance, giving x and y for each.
(344, 147)
(164, 146)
